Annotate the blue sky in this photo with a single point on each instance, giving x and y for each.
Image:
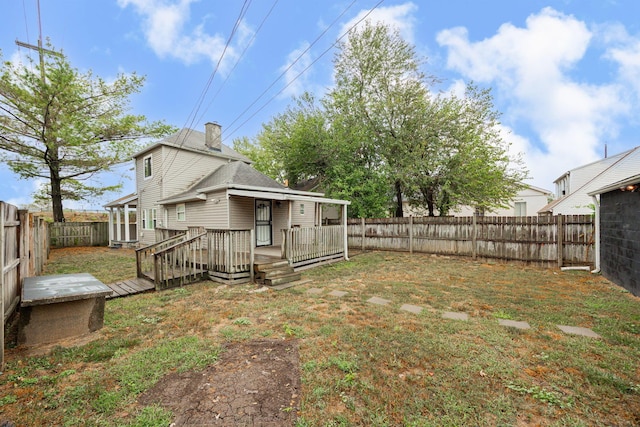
(565, 74)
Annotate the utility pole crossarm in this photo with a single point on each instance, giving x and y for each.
(39, 48)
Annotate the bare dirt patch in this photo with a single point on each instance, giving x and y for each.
(254, 383)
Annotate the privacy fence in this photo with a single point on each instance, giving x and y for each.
(24, 246)
(68, 234)
(562, 240)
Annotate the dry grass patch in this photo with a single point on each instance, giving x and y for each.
(362, 364)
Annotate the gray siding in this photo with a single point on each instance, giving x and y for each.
(211, 213)
(620, 239)
(303, 220)
(149, 192)
(242, 213)
(186, 168)
(280, 221)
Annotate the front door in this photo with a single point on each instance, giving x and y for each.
(263, 223)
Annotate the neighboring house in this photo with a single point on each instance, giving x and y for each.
(573, 187)
(527, 202)
(618, 233)
(191, 179)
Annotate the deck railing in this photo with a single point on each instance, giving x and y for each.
(312, 244)
(145, 256)
(181, 263)
(230, 254)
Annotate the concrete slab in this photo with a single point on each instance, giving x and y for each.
(575, 330)
(415, 309)
(314, 291)
(514, 324)
(378, 301)
(338, 294)
(455, 315)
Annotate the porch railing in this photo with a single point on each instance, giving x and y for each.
(313, 244)
(181, 263)
(145, 256)
(230, 254)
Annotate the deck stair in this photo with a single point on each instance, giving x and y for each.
(275, 273)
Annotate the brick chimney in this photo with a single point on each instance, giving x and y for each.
(213, 136)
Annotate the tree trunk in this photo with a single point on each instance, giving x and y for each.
(399, 211)
(56, 187)
(428, 195)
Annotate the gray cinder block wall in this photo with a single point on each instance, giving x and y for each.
(620, 238)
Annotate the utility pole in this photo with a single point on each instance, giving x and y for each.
(39, 48)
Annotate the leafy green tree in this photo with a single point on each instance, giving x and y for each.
(66, 127)
(463, 158)
(382, 137)
(379, 94)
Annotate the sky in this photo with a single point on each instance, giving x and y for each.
(565, 74)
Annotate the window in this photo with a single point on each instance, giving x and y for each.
(148, 219)
(521, 208)
(180, 212)
(147, 167)
(301, 208)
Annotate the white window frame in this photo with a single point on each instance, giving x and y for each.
(144, 167)
(149, 219)
(181, 212)
(301, 208)
(523, 204)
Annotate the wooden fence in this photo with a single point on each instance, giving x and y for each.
(24, 248)
(563, 240)
(66, 234)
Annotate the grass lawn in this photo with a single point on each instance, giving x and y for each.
(361, 364)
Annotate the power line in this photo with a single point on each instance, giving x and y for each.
(287, 69)
(188, 124)
(300, 73)
(241, 56)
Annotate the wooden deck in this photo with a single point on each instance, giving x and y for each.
(130, 287)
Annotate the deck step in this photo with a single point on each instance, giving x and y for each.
(269, 265)
(291, 284)
(286, 278)
(273, 273)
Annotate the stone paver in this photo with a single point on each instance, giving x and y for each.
(514, 324)
(337, 293)
(575, 330)
(314, 291)
(378, 301)
(455, 315)
(411, 308)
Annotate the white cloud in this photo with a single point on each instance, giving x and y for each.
(531, 69)
(167, 31)
(400, 17)
(297, 61)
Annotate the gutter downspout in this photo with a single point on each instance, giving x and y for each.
(345, 235)
(597, 234)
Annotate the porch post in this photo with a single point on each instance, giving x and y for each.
(345, 234)
(118, 225)
(126, 223)
(110, 226)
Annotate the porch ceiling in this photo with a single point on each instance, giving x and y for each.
(285, 196)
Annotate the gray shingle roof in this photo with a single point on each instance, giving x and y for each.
(190, 139)
(233, 173)
(238, 173)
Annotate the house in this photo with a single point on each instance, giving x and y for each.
(527, 202)
(618, 232)
(191, 180)
(574, 186)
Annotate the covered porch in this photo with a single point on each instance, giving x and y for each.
(122, 231)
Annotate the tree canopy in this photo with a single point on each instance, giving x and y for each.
(379, 136)
(64, 126)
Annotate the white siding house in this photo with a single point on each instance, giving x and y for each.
(574, 186)
(191, 179)
(526, 203)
